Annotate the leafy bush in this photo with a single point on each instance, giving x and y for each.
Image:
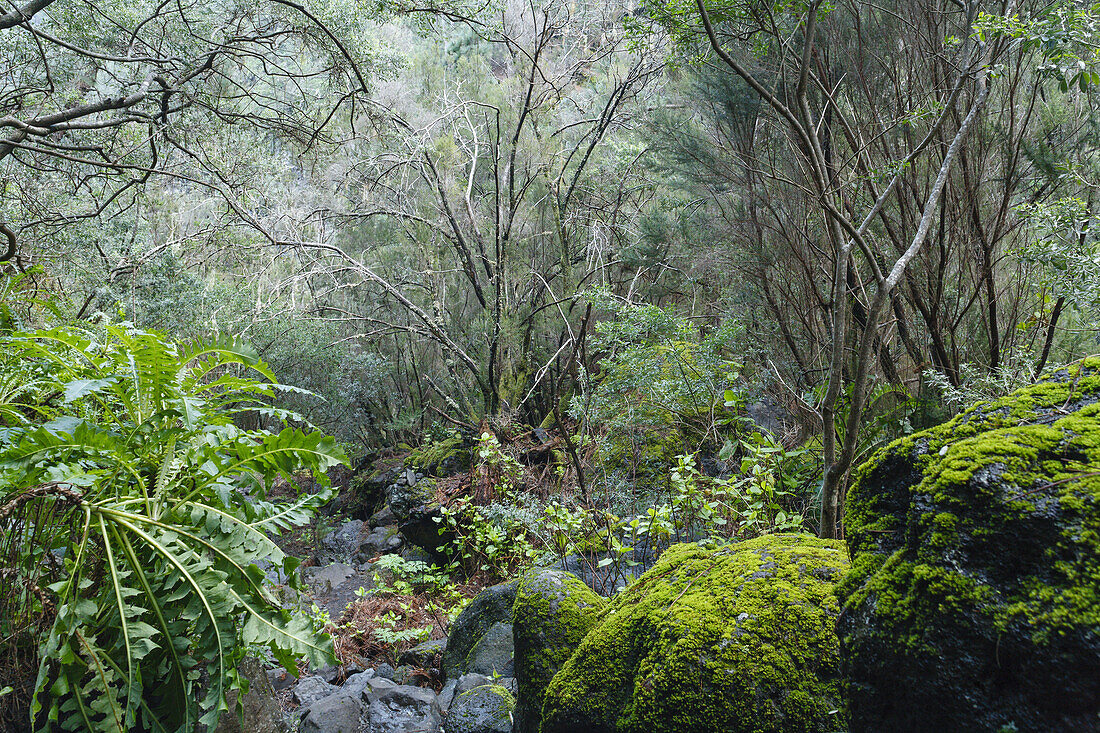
(492, 530)
(136, 512)
(658, 374)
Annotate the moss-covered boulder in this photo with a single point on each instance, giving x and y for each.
(418, 514)
(974, 597)
(484, 709)
(551, 616)
(489, 614)
(736, 639)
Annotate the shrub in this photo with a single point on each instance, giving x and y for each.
(137, 519)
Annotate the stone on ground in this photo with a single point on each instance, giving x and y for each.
(484, 709)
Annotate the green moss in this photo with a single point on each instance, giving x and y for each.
(997, 466)
(978, 541)
(647, 456)
(487, 706)
(430, 456)
(552, 613)
(736, 639)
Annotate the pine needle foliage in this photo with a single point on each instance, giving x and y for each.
(156, 591)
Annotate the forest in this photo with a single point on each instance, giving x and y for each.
(479, 366)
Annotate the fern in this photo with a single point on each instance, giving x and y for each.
(130, 438)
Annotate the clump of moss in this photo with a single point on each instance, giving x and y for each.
(974, 596)
(442, 457)
(551, 616)
(735, 639)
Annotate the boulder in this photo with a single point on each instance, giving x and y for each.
(342, 544)
(423, 653)
(323, 580)
(280, 679)
(419, 516)
(974, 597)
(403, 499)
(484, 709)
(257, 711)
(367, 491)
(339, 713)
(736, 639)
(491, 606)
(383, 517)
(552, 614)
(310, 689)
(494, 652)
(380, 540)
(356, 683)
(469, 681)
(393, 708)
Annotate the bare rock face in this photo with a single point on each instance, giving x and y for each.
(481, 637)
(257, 711)
(974, 597)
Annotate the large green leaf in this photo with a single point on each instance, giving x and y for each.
(161, 590)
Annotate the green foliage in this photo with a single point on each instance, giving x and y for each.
(1066, 251)
(976, 385)
(436, 452)
(755, 501)
(885, 417)
(765, 496)
(395, 574)
(658, 374)
(159, 590)
(496, 539)
(1063, 35)
(413, 599)
(491, 530)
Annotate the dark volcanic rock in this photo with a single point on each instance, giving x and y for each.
(974, 597)
(339, 713)
(485, 709)
(417, 511)
(259, 712)
(491, 606)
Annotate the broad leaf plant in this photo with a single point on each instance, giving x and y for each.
(155, 569)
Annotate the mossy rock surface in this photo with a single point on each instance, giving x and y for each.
(974, 597)
(442, 458)
(491, 607)
(552, 614)
(736, 639)
(418, 514)
(484, 709)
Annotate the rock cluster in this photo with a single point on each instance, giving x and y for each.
(965, 597)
